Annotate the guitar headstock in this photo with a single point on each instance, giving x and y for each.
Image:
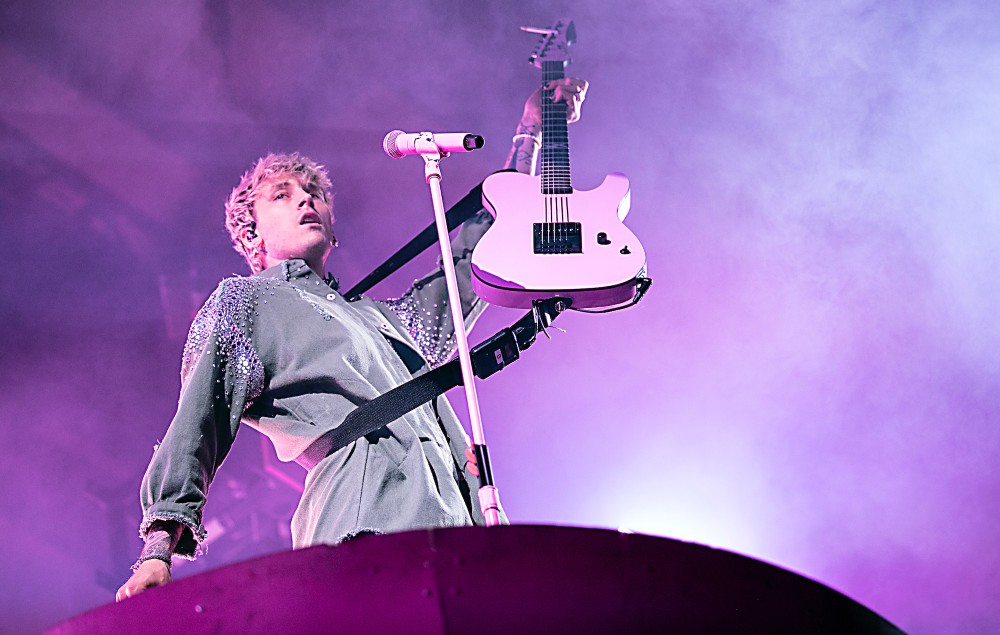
(554, 44)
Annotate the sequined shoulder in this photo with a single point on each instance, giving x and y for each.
(424, 326)
(227, 316)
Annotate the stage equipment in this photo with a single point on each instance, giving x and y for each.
(534, 580)
(398, 144)
(489, 495)
(549, 240)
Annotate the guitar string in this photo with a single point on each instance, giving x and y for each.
(555, 173)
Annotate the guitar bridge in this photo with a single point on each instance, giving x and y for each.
(558, 238)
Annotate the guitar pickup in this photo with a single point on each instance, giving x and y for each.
(558, 238)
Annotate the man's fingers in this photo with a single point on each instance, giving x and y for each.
(471, 464)
(564, 88)
(572, 91)
(572, 82)
(124, 592)
(139, 582)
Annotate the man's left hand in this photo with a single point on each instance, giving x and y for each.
(471, 465)
(571, 90)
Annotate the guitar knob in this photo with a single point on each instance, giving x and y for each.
(624, 251)
(602, 238)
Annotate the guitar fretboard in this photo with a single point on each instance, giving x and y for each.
(555, 137)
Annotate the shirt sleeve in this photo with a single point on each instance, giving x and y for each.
(424, 310)
(221, 375)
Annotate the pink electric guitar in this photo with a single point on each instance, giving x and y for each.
(549, 240)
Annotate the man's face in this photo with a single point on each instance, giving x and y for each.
(294, 220)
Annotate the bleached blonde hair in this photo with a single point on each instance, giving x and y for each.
(239, 206)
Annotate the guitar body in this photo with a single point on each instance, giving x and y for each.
(549, 240)
(511, 266)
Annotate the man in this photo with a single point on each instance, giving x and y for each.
(285, 353)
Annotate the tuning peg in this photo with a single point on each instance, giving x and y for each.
(538, 30)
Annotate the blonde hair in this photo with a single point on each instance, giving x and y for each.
(239, 206)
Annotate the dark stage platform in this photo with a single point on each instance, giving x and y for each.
(521, 579)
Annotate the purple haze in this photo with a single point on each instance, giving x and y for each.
(812, 381)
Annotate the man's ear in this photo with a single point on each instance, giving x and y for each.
(250, 238)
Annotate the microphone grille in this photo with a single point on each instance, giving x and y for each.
(389, 144)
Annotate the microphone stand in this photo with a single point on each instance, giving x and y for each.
(489, 496)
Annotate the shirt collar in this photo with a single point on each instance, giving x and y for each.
(297, 271)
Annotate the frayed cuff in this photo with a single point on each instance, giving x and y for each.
(189, 546)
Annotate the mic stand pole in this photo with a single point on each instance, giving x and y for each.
(489, 496)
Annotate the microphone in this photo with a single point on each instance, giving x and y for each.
(398, 144)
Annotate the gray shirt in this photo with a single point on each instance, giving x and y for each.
(284, 353)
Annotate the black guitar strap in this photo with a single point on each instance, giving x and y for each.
(488, 357)
(460, 212)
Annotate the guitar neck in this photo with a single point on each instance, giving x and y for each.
(555, 137)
